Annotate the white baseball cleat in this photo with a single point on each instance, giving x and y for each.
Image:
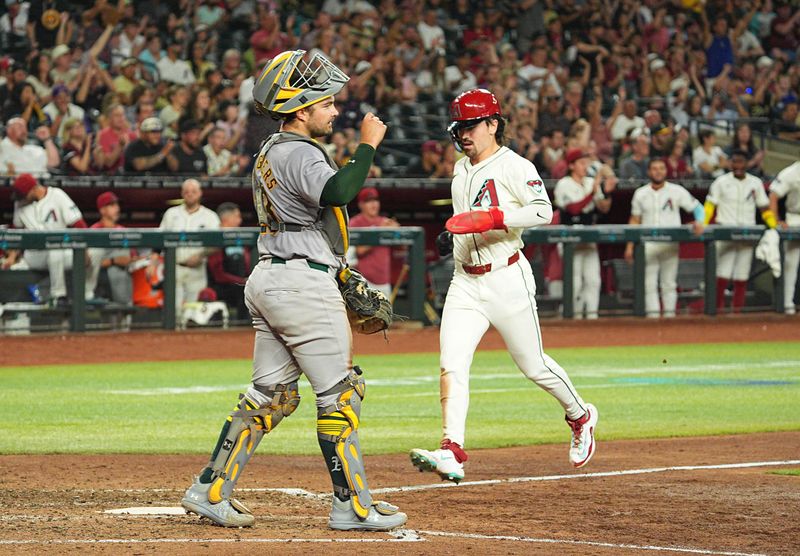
(441, 461)
(582, 447)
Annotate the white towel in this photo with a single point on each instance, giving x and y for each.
(768, 250)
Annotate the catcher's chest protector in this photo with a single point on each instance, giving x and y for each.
(331, 221)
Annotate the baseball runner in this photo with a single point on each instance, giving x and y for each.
(38, 207)
(735, 196)
(658, 204)
(580, 198)
(190, 274)
(787, 184)
(496, 195)
(293, 297)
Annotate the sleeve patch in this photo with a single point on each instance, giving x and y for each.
(537, 185)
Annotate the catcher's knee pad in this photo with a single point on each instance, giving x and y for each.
(338, 423)
(249, 422)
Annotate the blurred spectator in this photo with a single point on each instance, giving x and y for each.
(148, 153)
(13, 26)
(433, 78)
(178, 97)
(115, 261)
(38, 207)
(39, 77)
(786, 126)
(231, 123)
(190, 216)
(374, 262)
(676, 162)
(46, 20)
(220, 161)
(202, 110)
(76, 148)
(430, 32)
(635, 167)
(131, 40)
(172, 67)
(187, 157)
(13, 76)
(621, 125)
(23, 103)
(229, 267)
(62, 70)
(151, 56)
(458, 77)
(126, 81)
(743, 142)
(783, 34)
(268, 40)
(17, 157)
(660, 140)
(61, 109)
(429, 162)
(708, 160)
(112, 140)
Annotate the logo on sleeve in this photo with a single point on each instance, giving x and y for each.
(537, 185)
(487, 195)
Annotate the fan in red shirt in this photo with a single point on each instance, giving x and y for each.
(374, 262)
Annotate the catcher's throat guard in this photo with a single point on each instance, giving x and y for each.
(249, 422)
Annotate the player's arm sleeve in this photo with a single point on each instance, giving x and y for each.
(528, 187)
(711, 202)
(343, 186)
(692, 205)
(636, 205)
(70, 212)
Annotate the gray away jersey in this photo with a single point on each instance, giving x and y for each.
(291, 177)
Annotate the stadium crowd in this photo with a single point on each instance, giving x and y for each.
(165, 86)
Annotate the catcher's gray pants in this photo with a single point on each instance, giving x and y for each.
(301, 326)
(504, 298)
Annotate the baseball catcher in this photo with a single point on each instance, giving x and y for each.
(294, 298)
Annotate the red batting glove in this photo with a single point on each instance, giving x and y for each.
(475, 222)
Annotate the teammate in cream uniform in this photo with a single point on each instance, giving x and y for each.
(580, 198)
(496, 195)
(658, 204)
(43, 208)
(735, 196)
(787, 184)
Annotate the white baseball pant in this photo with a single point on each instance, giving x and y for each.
(586, 281)
(734, 259)
(661, 268)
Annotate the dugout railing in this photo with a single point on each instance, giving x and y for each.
(79, 240)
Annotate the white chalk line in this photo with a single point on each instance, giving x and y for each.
(595, 371)
(400, 536)
(584, 543)
(588, 475)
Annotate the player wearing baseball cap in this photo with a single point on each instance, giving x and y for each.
(38, 207)
(496, 195)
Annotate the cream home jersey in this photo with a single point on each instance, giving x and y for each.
(569, 191)
(661, 207)
(178, 219)
(736, 200)
(787, 184)
(504, 180)
(53, 212)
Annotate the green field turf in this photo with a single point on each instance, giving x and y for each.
(178, 407)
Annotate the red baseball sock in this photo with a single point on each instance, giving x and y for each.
(722, 283)
(739, 291)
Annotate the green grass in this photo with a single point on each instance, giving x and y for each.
(792, 472)
(178, 407)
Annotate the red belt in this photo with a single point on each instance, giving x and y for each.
(484, 268)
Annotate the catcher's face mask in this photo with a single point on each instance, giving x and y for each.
(289, 83)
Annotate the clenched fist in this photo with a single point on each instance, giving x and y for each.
(372, 130)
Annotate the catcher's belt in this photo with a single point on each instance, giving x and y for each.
(368, 309)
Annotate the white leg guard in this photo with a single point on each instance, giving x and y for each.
(247, 425)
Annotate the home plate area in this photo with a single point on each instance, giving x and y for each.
(713, 495)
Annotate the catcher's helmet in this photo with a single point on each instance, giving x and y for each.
(469, 109)
(288, 83)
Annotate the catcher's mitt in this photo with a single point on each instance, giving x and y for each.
(368, 309)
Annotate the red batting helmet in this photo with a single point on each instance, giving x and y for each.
(469, 109)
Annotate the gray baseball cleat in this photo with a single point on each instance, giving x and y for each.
(228, 513)
(382, 517)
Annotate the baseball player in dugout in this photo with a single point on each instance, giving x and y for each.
(41, 208)
(496, 195)
(190, 216)
(734, 197)
(581, 198)
(374, 261)
(658, 204)
(296, 297)
(787, 184)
